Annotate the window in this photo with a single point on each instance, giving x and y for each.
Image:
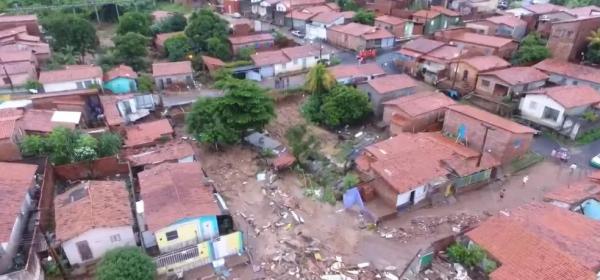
(550, 114)
(79, 85)
(575, 83)
(169, 81)
(485, 83)
(84, 250)
(88, 84)
(532, 105)
(172, 235)
(115, 238)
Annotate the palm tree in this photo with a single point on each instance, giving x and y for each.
(319, 80)
(594, 38)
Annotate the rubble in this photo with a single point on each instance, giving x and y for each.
(427, 226)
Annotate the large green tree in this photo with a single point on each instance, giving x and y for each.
(174, 23)
(132, 49)
(364, 17)
(217, 47)
(223, 120)
(531, 50)
(128, 263)
(135, 22)
(319, 80)
(177, 47)
(68, 30)
(203, 25)
(592, 53)
(345, 105)
(303, 144)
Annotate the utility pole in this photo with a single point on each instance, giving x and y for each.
(12, 87)
(456, 68)
(487, 128)
(53, 254)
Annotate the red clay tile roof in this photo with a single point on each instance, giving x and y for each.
(209, 60)
(172, 68)
(422, 45)
(91, 205)
(71, 73)
(301, 51)
(575, 192)
(378, 34)
(408, 160)
(445, 54)
(15, 181)
(595, 176)
(269, 58)
(253, 38)
(508, 20)
(109, 107)
(12, 32)
(333, 6)
(517, 75)
(121, 71)
(146, 133)
(327, 17)
(389, 83)
(391, 20)
(491, 119)
(175, 191)
(307, 13)
(348, 14)
(161, 38)
(584, 11)
(17, 56)
(444, 11)
(172, 151)
(356, 70)
(486, 62)
(22, 18)
(353, 29)
(544, 8)
(421, 103)
(571, 96)
(480, 39)
(541, 241)
(8, 121)
(426, 14)
(41, 121)
(577, 71)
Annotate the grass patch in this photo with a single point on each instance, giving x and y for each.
(172, 7)
(588, 137)
(525, 161)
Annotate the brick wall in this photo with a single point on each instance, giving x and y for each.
(502, 143)
(345, 41)
(46, 202)
(97, 169)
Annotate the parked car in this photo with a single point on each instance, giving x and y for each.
(298, 33)
(595, 161)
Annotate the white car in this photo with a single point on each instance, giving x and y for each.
(595, 161)
(298, 33)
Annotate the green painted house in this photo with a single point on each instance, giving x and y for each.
(120, 80)
(435, 19)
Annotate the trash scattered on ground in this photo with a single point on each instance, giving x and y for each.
(427, 226)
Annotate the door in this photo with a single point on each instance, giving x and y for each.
(465, 75)
(412, 198)
(84, 250)
(207, 230)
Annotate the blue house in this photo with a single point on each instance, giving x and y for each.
(120, 79)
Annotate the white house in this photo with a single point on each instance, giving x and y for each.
(16, 179)
(294, 59)
(73, 77)
(559, 107)
(93, 218)
(317, 28)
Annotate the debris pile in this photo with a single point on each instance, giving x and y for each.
(427, 226)
(441, 270)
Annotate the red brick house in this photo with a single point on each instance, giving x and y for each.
(422, 111)
(148, 134)
(464, 72)
(508, 82)
(568, 38)
(484, 44)
(357, 36)
(505, 140)
(401, 28)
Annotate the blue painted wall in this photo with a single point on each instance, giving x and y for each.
(121, 85)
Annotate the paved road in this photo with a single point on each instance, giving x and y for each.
(580, 155)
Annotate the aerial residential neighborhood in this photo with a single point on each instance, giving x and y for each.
(304, 139)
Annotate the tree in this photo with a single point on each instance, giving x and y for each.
(126, 263)
(348, 5)
(223, 120)
(177, 47)
(319, 80)
(145, 83)
(135, 22)
(532, 50)
(70, 30)
(33, 145)
(61, 143)
(203, 25)
(174, 23)
(345, 105)
(364, 17)
(303, 144)
(61, 58)
(217, 47)
(592, 53)
(109, 144)
(245, 53)
(131, 49)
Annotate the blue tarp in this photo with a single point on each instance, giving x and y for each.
(352, 197)
(591, 209)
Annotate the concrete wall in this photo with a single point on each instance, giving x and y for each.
(532, 107)
(99, 240)
(411, 124)
(568, 39)
(318, 30)
(489, 90)
(345, 41)
(162, 81)
(71, 85)
(189, 232)
(261, 45)
(504, 145)
(564, 80)
(10, 247)
(377, 99)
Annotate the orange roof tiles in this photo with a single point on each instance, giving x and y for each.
(15, 181)
(121, 71)
(174, 191)
(577, 71)
(269, 58)
(391, 20)
(421, 103)
(253, 38)
(428, 14)
(491, 119)
(444, 11)
(508, 20)
(171, 151)
(422, 45)
(308, 13)
(356, 70)
(35, 120)
(571, 96)
(584, 11)
(209, 60)
(172, 68)
(445, 54)
(517, 75)
(147, 133)
(301, 51)
(353, 29)
(486, 62)
(110, 110)
(544, 8)
(480, 39)
(575, 192)
(327, 17)
(389, 83)
(541, 241)
(71, 73)
(91, 205)
(377, 34)
(5, 18)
